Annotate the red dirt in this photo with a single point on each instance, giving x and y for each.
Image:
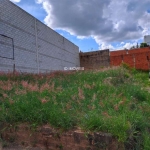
(45, 137)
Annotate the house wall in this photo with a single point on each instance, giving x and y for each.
(37, 48)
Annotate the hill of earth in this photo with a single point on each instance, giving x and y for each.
(113, 100)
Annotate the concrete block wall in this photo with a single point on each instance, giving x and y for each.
(95, 60)
(37, 48)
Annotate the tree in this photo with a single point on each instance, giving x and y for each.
(144, 45)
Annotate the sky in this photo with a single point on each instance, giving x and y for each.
(94, 24)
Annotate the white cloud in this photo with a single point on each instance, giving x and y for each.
(39, 1)
(83, 37)
(106, 46)
(105, 21)
(129, 45)
(145, 23)
(15, 1)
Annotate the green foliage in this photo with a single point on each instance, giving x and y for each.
(144, 45)
(146, 140)
(113, 101)
(125, 65)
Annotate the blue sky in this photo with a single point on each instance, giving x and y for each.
(94, 24)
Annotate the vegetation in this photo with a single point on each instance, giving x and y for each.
(144, 45)
(115, 101)
(141, 46)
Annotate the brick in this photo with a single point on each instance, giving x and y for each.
(134, 58)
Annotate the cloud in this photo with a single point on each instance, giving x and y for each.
(105, 21)
(15, 1)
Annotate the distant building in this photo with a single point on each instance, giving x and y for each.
(147, 39)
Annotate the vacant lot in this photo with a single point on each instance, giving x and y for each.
(116, 101)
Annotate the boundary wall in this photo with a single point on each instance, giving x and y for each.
(37, 48)
(136, 58)
(95, 59)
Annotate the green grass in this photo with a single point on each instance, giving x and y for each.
(113, 101)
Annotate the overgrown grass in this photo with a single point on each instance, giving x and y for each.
(112, 101)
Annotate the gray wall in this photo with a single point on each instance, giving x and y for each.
(37, 48)
(147, 39)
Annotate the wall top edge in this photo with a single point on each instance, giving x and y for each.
(39, 21)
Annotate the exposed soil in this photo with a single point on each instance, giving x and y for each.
(22, 137)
